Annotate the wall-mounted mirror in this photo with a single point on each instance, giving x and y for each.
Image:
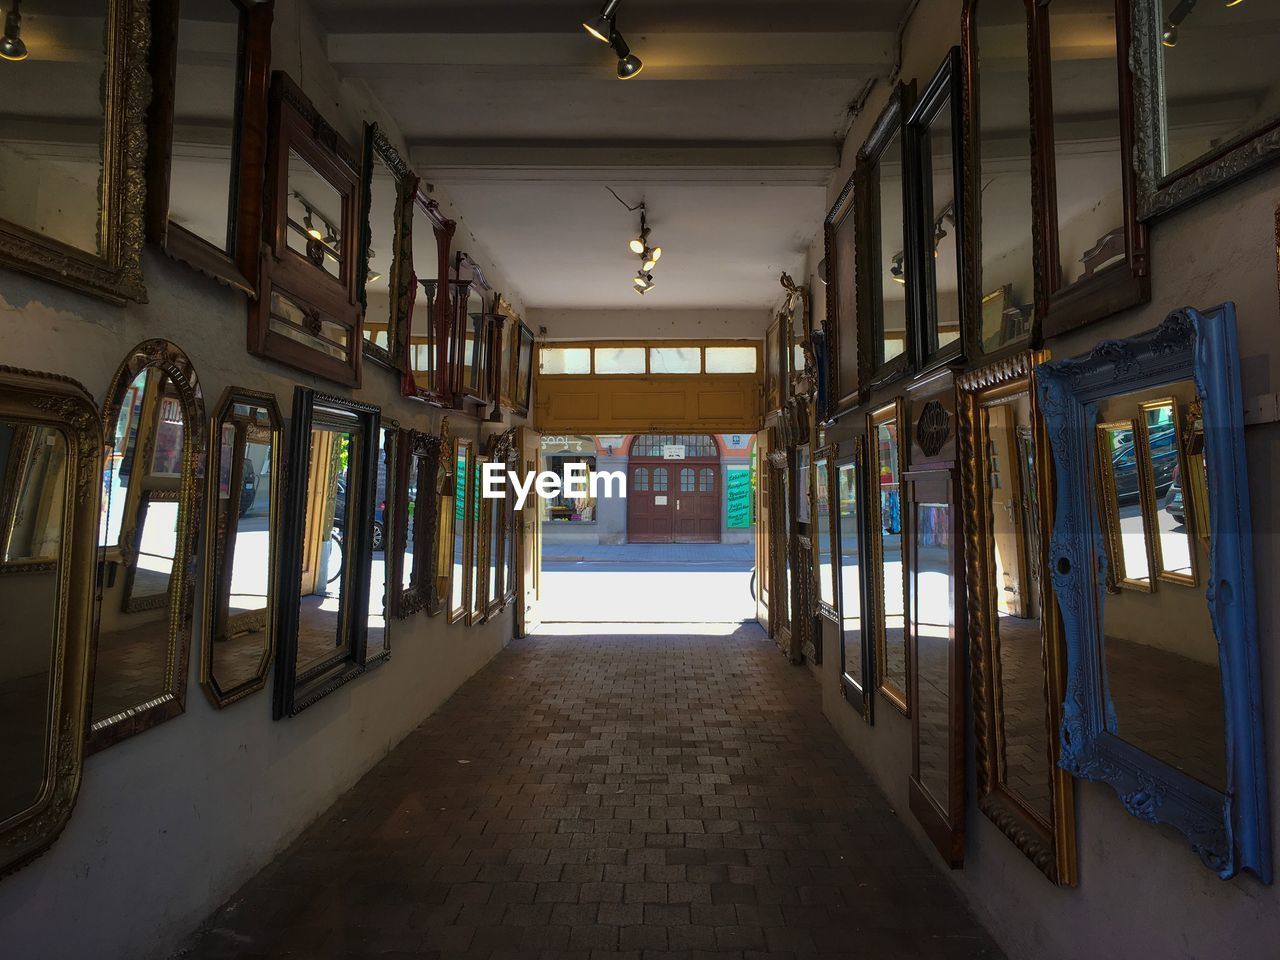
(440, 561)
(524, 370)
(1197, 764)
(857, 657)
(326, 553)
(1181, 50)
(935, 262)
(824, 566)
(386, 272)
(241, 545)
(477, 541)
(78, 220)
(153, 490)
(471, 337)
(1123, 497)
(427, 332)
(1015, 636)
(417, 478)
(886, 574)
(883, 232)
(457, 546)
(841, 337)
(936, 661)
(50, 458)
(384, 542)
(206, 138)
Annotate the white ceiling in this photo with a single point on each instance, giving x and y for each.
(729, 135)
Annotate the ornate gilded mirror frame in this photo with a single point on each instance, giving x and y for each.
(1048, 842)
(428, 280)
(114, 273)
(1161, 192)
(417, 519)
(221, 533)
(188, 490)
(1229, 829)
(400, 285)
(892, 414)
(236, 263)
(63, 405)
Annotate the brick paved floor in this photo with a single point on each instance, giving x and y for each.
(650, 797)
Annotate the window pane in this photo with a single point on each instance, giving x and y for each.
(619, 360)
(686, 480)
(642, 478)
(675, 360)
(660, 479)
(564, 360)
(706, 480)
(732, 360)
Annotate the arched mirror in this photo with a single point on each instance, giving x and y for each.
(152, 489)
(240, 546)
(50, 450)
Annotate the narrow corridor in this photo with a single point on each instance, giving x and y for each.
(655, 796)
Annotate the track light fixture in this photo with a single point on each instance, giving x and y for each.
(604, 27)
(644, 282)
(649, 254)
(11, 45)
(601, 25)
(629, 65)
(1169, 35)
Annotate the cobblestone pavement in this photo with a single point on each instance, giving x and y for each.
(653, 797)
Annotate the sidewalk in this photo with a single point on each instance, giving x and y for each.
(691, 553)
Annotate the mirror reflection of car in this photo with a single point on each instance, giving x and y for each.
(1164, 462)
(248, 487)
(340, 514)
(1173, 499)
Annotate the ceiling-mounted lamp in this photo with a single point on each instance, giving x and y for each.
(1169, 35)
(601, 25)
(11, 45)
(896, 269)
(309, 225)
(644, 282)
(651, 258)
(629, 65)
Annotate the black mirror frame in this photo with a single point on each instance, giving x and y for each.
(859, 696)
(400, 279)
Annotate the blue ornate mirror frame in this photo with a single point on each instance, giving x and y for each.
(1229, 829)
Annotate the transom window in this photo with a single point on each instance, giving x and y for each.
(636, 359)
(695, 445)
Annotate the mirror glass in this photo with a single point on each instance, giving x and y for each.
(1018, 648)
(1220, 54)
(475, 546)
(417, 469)
(142, 489)
(323, 633)
(1088, 159)
(1004, 171)
(495, 546)
(508, 547)
(380, 568)
(893, 656)
(314, 230)
(1160, 647)
(241, 562)
(33, 501)
(524, 369)
(822, 531)
(1164, 450)
(458, 524)
(1121, 485)
(422, 319)
(51, 155)
(850, 572)
(472, 347)
(891, 321)
(786, 546)
(383, 202)
(938, 150)
(932, 621)
(202, 170)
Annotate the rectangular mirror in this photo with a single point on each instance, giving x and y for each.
(1124, 500)
(386, 272)
(824, 561)
(207, 134)
(153, 490)
(884, 428)
(459, 541)
(937, 687)
(1015, 638)
(50, 463)
(241, 545)
(384, 544)
(1162, 440)
(477, 542)
(71, 211)
(1199, 767)
(524, 371)
(469, 356)
(327, 548)
(841, 333)
(427, 333)
(1181, 49)
(418, 474)
(856, 664)
(883, 234)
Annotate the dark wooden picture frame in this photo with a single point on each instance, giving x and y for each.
(840, 325)
(857, 694)
(470, 397)
(235, 264)
(891, 413)
(310, 299)
(417, 469)
(523, 372)
(428, 280)
(400, 286)
(294, 692)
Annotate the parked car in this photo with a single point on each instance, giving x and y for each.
(1173, 499)
(248, 487)
(340, 514)
(1164, 461)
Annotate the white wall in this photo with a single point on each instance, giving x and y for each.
(169, 824)
(1142, 891)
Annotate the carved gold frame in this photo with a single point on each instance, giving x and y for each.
(1108, 507)
(170, 360)
(1050, 846)
(114, 274)
(893, 412)
(1155, 546)
(215, 546)
(64, 404)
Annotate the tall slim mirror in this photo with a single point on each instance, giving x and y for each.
(153, 490)
(824, 567)
(387, 278)
(884, 428)
(382, 564)
(856, 654)
(419, 456)
(459, 539)
(241, 545)
(50, 450)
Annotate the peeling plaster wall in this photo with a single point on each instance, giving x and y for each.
(170, 823)
(1142, 891)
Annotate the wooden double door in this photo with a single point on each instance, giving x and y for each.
(673, 501)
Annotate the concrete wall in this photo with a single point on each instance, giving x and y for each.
(170, 823)
(1142, 891)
